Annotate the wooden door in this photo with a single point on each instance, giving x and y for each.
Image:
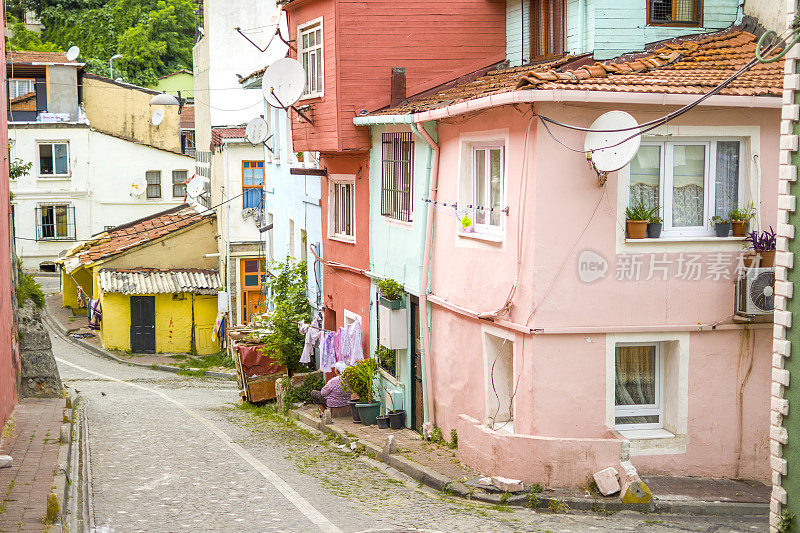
(252, 302)
(417, 399)
(143, 324)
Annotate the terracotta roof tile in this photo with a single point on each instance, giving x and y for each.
(127, 236)
(217, 134)
(691, 65)
(187, 117)
(37, 57)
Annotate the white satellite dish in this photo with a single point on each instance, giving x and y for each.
(609, 150)
(283, 82)
(196, 187)
(73, 53)
(158, 117)
(138, 187)
(256, 131)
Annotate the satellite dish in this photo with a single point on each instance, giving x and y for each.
(609, 150)
(158, 117)
(256, 131)
(283, 82)
(73, 53)
(196, 187)
(138, 187)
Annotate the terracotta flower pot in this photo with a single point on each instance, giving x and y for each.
(636, 229)
(760, 259)
(739, 227)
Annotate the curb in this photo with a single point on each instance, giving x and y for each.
(62, 331)
(63, 489)
(442, 483)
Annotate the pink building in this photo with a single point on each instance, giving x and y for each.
(559, 346)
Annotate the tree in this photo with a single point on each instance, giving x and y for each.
(284, 342)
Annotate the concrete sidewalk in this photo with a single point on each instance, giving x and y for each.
(32, 439)
(438, 467)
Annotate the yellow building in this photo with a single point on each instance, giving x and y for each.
(154, 282)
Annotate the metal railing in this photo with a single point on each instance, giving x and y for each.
(396, 179)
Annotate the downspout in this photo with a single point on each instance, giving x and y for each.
(228, 235)
(426, 261)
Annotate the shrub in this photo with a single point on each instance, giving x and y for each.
(290, 306)
(302, 393)
(390, 289)
(28, 289)
(358, 379)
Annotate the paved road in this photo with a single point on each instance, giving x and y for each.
(170, 453)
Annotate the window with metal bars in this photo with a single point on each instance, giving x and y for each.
(675, 12)
(396, 179)
(55, 222)
(342, 212)
(153, 183)
(548, 30)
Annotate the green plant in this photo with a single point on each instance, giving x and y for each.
(716, 219)
(18, 168)
(742, 214)
(390, 289)
(284, 342)
(453, 439)
(359, 378)
(785, 522)
(536, 488)
(28, 289)
(655, 219)
(313, 381)
(639, 211)
(531, 499)
(504, 498)
(386, 358)
(466, 221)
(558, 506)
(436, 436)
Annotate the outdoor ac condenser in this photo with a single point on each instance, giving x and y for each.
(755, 292)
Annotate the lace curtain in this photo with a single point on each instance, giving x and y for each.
(635, 375)
(727, 178)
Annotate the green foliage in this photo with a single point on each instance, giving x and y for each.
(437, 436)
(531, 499)
(386, 358)
(655, 219)
(19, 168)
(466, 221)
(453, 439)
(290, 306)
(536, 488)
(358, 379)
(28, 289)
(716, 219)
(390, 289)
(155, 37)
(313, 381)
(743, 214)
(786, 522)
(24, 39)
(558, 507)
(639, 211)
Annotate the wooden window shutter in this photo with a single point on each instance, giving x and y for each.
(547, 29)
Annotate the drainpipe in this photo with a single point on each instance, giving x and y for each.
(228, 234)
(426, 262)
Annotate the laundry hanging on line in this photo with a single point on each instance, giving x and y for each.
(95, 314)
(343, 344)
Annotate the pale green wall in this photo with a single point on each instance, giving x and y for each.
(177, 82)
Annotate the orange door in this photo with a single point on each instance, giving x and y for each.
(253, 302)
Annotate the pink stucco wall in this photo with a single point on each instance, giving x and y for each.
(561, 390)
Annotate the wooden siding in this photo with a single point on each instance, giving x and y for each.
(518, 29)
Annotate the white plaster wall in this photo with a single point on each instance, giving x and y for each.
(102, 169)
(241, 230)
(770, 13)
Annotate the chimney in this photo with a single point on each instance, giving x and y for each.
(397, 91)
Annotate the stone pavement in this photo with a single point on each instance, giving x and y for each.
(32, 440)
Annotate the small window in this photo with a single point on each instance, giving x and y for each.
(488, 175)
(638, 386)
(179, 183)
(310, 54)
(20, 87)
(547, 21)
(303, 245)
(53, 159)
(153, 183)
(55, 222)
(675, 12)
(187, 142)
(252, 184)
(291, 238)
(342, 210)
(270, 239)
(397, 175)
(500, 382)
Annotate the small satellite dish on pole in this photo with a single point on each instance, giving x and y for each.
(196, 187)
(256, 131)
(611, 150)
(138, 187)
(73, 53)
(283, 82)
(157, 118)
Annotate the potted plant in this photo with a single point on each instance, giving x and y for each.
(359, 379)
(763, 245)
(383, 421)
(466, 225)
(636, 220)
(655, 225)
(722, 226)
(391, 294)
(740, 218)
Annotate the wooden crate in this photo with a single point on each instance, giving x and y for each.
(261, 388)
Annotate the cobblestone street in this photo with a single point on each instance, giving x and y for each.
(172, 453)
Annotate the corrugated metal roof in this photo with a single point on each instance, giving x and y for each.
(154, 281)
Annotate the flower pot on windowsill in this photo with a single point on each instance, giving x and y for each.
(394, 305)
(368, 412)
(636, 229)
(654, 230)
(759, 259)
(739, 227)
(468, 229)
(722, 229)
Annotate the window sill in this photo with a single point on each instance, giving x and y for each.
(347, 240)
(57, 177)
(388, 377)
(408, 224)
(699, 238)
(487, 237)
(638, 434)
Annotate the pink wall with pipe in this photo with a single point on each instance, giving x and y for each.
(562, 378)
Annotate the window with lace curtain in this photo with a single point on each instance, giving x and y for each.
(689, 180)
(638, 390)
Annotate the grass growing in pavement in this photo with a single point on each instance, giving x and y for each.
(204, 362)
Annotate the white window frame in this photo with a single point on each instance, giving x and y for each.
(71, 222)
(160, 185)
(39, 160)
(487, 228)
(709, 185)
(656, 408)
(350, 317)
(14, 83)
(504, 336)
(334, 182)
(303, 29)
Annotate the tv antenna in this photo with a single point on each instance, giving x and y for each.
(73, 53)
(138, 187)
(157, 118)
(282, 85)
(608, 151)
(257, 131)
(196, 187)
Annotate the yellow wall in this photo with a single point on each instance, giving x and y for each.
(69, 293)
(115, 331)
(126, 112)
(205, 314)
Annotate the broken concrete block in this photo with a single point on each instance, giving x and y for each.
(6, 461)
(388, 448)
(326, 417)
(507, 485)
(485, 481)
(635, 491)
(607, 481)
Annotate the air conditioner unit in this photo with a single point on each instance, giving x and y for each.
(755, 292)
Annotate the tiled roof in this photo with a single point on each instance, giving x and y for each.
(127, 236)
(187, 117)
(181, 71)
(155, 281)
(692, 65)
(37, 57)
(217, 134)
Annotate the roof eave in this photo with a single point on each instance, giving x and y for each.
(561, 95)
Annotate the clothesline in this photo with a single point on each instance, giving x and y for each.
(454, 205)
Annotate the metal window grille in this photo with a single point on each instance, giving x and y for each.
(343, 209)
(153, 183)
(675, 12)
(55, 222)
(187, 142)
(396, 188)
(179, 183)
